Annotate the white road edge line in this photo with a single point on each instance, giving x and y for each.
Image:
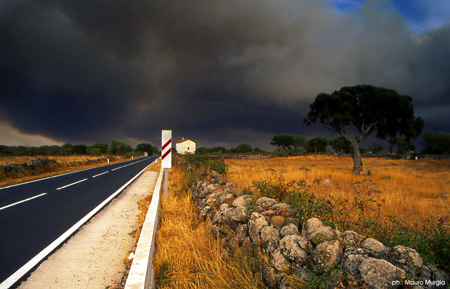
(100, 174)
(63, 187)
(23, 201)
(39, 257)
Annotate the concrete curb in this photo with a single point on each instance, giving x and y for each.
(141, 275)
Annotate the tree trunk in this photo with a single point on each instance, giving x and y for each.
(357, 162)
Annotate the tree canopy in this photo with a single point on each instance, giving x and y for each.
(357, 111)
(288, 143)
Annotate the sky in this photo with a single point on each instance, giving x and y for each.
(218, 72)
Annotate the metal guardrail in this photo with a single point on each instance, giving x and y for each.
(141, 275)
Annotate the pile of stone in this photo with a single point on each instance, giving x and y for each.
(286, 248)
(36, 165)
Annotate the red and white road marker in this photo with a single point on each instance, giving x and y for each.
(166, 155)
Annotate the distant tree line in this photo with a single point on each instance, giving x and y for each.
(438, 143)
(288, 144)
(116, 147)
(240, 149)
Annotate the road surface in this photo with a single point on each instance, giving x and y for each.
(33, 215)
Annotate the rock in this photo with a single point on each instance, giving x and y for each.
(352, 262)
(210, 188)
(291, 248)
(225, 217)
(285, 284)
(326, 182)
(256, 223)
(270, 275)
(327, 254)
(356, 184)
(204, 213)
(312, 225)
(279, 262)
(235, 191)
(243, 200)
(264, 203)
(210, 200)
(432, 273)
(374, 248)
(217, 177)
(219, 230)
(278, 221)
(290, 229)
(241, 233)
(441, 276)
(226, 196)
(223, 207)
(283, 209)
(379, 273)
(352, 239)
(247, 245)
(270, 236)
(322, 234)
(228, 201)
(269, 233)
(203, 191)
(239, 214)
(407, 259)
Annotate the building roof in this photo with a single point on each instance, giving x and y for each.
(184, 140)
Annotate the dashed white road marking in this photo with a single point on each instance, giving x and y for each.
(23, 201)
(63, 187)
(100, 174)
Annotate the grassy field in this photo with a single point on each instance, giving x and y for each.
(58, 165)
(414, 191)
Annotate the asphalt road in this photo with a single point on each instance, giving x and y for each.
(33, 215)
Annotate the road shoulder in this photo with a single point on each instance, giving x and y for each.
(93, 257)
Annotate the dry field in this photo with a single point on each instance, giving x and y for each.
(59, 159)
(414, 191)
(65, 164)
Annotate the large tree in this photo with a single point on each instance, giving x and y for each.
(357, 111)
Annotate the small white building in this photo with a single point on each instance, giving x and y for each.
(185, 146)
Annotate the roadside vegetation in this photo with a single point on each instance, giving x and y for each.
(188, 255)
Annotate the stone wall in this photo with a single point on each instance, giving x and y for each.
(286, 248)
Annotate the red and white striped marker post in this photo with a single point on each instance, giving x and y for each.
(166, 155)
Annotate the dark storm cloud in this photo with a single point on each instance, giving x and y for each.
(222, 72)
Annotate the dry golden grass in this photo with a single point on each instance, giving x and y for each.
(59, 159)
(188, 255)
(414, 191)
(65, 164)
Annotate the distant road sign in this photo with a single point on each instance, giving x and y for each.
(166, 149)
